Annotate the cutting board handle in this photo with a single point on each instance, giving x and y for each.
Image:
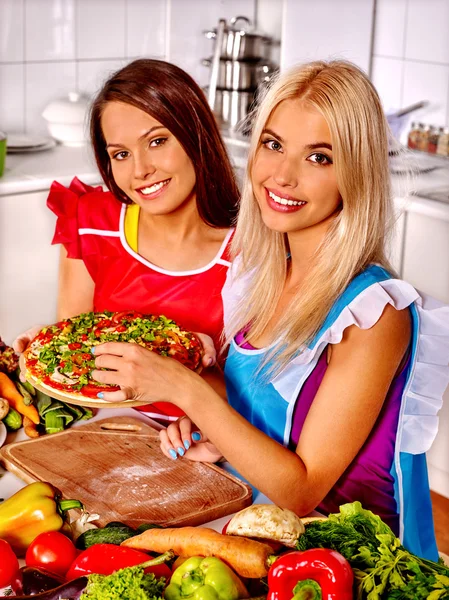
(120, 426)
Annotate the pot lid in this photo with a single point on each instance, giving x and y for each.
(242, 25)
(70, 109)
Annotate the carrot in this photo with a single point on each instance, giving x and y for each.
(9, 391)
(247, 557)
(30, 428)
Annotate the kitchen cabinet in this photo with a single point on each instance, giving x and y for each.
(425, 264)
(28, 263)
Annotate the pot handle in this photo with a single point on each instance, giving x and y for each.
(211, 35)
(234, 20)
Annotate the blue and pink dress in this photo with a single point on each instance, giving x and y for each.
(389, 474)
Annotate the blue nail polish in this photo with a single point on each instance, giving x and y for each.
(92, 349)
(181, 451)
(173, 454)
(186, 444)
(196, 436)
(100, 395)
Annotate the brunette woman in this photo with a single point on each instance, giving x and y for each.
(158, 240)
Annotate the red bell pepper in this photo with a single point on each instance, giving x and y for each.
(316, 574)
(104, 559)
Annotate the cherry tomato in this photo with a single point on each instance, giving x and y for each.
(84, 337)
(104, 323)
(86, 356)
(52, 551)
(120, 329)
(74, 346)
(9, 565)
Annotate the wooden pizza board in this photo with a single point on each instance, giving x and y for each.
(75, 398)
(116, 468)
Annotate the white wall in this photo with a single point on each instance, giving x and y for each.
(327, 29)
(51, 47)
(411, 57)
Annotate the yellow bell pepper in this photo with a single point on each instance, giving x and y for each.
(36, 508)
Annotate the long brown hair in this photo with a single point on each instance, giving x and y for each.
(171, 96)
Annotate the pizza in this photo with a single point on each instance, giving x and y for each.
(60, 356)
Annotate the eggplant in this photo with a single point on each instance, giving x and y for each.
(71, 590)
(30, 581)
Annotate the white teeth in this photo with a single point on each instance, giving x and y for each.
(154, 188)
(284, 201)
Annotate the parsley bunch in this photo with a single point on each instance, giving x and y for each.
(383, 568)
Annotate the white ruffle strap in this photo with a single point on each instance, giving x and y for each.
(429, 377)
(430, 372)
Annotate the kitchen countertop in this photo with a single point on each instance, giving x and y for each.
(36, 171)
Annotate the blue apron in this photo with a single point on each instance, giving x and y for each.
(269, 403)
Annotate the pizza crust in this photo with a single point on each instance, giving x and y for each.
(72, 398)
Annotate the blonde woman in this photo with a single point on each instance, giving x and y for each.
(336, 368)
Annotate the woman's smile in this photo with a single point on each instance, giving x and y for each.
(283, 202)
(154, 190)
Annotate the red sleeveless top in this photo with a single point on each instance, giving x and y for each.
(90, 225)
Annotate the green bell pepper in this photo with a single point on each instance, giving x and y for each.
(209, 578)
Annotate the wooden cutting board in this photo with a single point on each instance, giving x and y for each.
(116, 468)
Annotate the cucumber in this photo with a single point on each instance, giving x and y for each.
(144, 526)
(13, 420)
(108, 535)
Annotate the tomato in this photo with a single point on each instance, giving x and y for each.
(52, 551)
(9, 565)
(86, 356)
(120, 329)
(84, 337)
(104, 323)
(92, 390)
(127, 315)
(74, 346)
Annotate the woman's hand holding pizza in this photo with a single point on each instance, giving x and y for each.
(22, 341)
(141, 373)
(209, 352)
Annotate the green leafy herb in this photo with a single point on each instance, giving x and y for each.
(383, 568)
(130, 583)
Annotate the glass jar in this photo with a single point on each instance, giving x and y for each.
(433, 140)
(423, 144)
(443, 142)
(414, 135)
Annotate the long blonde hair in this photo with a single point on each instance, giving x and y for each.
(347, 100)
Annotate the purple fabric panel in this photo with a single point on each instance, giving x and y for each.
(368, 479)
(240, 341)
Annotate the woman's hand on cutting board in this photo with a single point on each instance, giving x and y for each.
(182, 438)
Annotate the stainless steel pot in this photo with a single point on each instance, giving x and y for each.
(232, 107)
(239, 43)
(241, 75)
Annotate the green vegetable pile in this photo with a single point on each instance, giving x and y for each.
(131, 583)
(383, 568)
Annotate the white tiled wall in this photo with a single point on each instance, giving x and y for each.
(327, 29)
(51, 47)
(411, 57)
